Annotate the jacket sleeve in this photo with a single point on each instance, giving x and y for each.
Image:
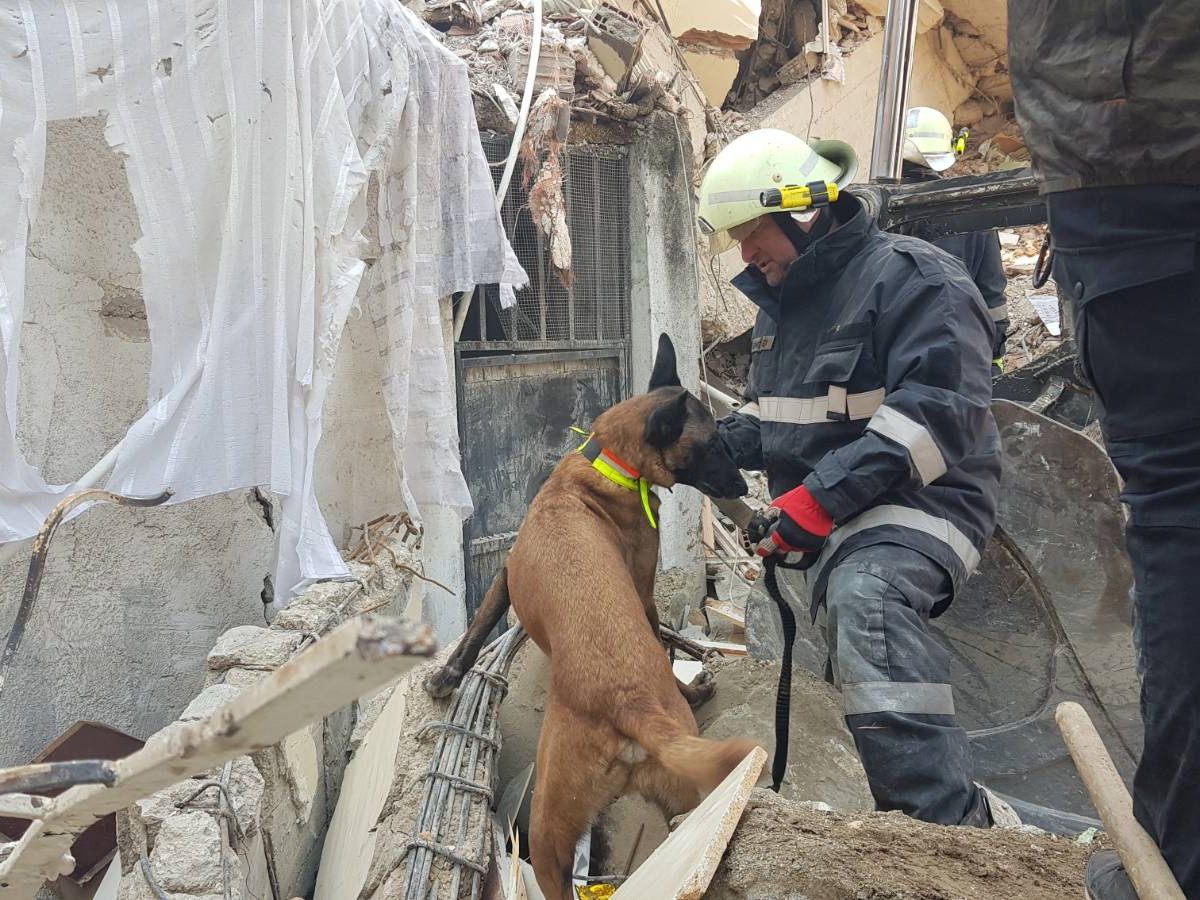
(740, 433)
(991, 281)
(933, 346)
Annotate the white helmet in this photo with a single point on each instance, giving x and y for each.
(756, 162)
(928, 139)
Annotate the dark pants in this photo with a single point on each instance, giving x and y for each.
(894, 677)
(1141, 349)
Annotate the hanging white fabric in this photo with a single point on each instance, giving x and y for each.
(250, 130)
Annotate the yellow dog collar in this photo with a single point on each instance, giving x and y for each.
(619, 472)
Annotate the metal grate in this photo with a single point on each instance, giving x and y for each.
(596, 306)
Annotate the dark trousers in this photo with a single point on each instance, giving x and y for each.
(1141, 349)
(894, 677)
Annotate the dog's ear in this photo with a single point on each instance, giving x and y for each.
(664, 374)
(665, 425)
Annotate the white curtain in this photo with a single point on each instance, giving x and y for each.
(250, 131)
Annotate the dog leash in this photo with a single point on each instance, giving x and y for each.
(783, 693)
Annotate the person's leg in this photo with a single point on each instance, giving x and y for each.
(894, 678)
(1141, 349)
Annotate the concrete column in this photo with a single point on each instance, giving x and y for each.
(665, 299)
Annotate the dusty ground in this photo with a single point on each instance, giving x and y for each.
(784, 850)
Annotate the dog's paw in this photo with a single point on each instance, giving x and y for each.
(701, 690)
(441, 684)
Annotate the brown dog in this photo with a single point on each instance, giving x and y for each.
(581, 579)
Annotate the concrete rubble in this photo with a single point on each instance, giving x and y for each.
(282, 796)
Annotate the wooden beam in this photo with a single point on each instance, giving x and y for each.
(706, 524)
(358, 658)
(1143, 860)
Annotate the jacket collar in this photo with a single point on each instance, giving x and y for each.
(821, 263)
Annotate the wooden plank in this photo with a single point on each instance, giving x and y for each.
(1143, 860)
(110, 884)
(725, 648)
(706, 525)
(684, 864)
(727, 612)
(355, 659)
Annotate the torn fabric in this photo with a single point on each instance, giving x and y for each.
(250, 131)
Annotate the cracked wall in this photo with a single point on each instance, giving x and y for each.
(133, 600)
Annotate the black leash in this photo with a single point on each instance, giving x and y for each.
(783, 694)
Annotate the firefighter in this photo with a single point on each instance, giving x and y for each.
(931, 147)
(1108, 99)
(868, 409)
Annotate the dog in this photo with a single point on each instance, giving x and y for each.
(581, 580)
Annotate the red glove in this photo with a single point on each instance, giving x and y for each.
(800, 525)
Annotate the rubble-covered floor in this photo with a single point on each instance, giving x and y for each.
(787, 850)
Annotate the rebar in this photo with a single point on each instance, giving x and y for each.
(461, 779)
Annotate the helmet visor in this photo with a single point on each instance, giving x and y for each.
(721, 241)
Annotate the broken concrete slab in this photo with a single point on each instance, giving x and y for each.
(832, 109)
(784, 850)
(209, 701)
(187, 853)
(253, 647)
(744, 704)
(246, 789)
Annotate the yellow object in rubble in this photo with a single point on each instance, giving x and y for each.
(599, 891)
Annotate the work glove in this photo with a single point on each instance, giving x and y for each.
(794, 523)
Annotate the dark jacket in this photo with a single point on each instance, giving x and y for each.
(870, 384)
(980, 253)
(1107, 93)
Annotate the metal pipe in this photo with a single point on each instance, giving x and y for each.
(89, 479)
(899, 36)
(934, 209)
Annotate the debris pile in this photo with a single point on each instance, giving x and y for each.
(977, 49)
(589, 55)
(791, 43)
(785, 848)
(260, 819)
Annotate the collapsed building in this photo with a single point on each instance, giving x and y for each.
(149, 620)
